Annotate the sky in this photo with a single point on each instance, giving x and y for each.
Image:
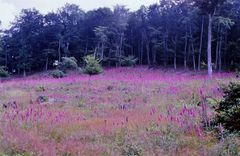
(10, 8)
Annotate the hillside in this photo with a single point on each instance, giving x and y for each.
(123, 111)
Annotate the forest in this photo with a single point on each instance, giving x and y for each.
(178, 34)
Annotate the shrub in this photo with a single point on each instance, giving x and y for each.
(68, 63)
(237, 72)
(130, 150)
(129, 61)
(81, 102)
(227, 147)
(42, 99)
(40, 89)
(17, 154)
(228, 110)
(170, 140)
(80, 70)
(3, 72)
(92, 66)
(57, 74)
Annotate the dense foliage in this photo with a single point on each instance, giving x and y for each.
(57, 73)
(3, 72)
(229, 108)
(171, 33)
(92, 66)
(68, 63)
(129, 61)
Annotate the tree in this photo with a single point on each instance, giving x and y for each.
(209, 7)
(92, 66)
(228, 110)
(71, 18)
(25, 34)
(120, 23)
(49, 52)
(223, 24)
(200, 44)
(101, 35)
(52, 34)
(142, 14)
(101, 17)
(3, 56)
(155, 31)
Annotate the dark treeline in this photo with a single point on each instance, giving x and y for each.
(172, 33)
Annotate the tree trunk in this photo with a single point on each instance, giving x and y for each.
(147, 47)
(220, 55)
(193, 57)
(121, 43)
(217, 48)
(193, 50)
(209, 49)
(175, 53)
(86, 48)
(98, 47)
(67, 49)
(59, 50)
(225, 50)
(185, 51)
(175, 60)
(200, 46)
(166, 52)
(102, 51)
(154, 56)
(132, 43)
(189, 51)
(217, 51)
(24, 72)
(148, 53)
(141, 56)
(165, 45)
(118, 56)
(139, 53)
(46, 66)
(6, 59)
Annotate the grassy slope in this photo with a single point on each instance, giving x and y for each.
(123, 111)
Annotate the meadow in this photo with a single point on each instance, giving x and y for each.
(123, 111)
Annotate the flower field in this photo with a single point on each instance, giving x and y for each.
(124, 111)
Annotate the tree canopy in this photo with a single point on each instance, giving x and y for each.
(170, 33)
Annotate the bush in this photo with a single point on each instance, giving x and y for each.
(81, 103)
(92, 66)
(170, 141)
(17, 154)
(57, 74)
(237, 72)
(40, 89)
(227, 147)
(130, 150)
(129, 61)
(228, 110)
(3, 72)
(42, 99)
(68, 63)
